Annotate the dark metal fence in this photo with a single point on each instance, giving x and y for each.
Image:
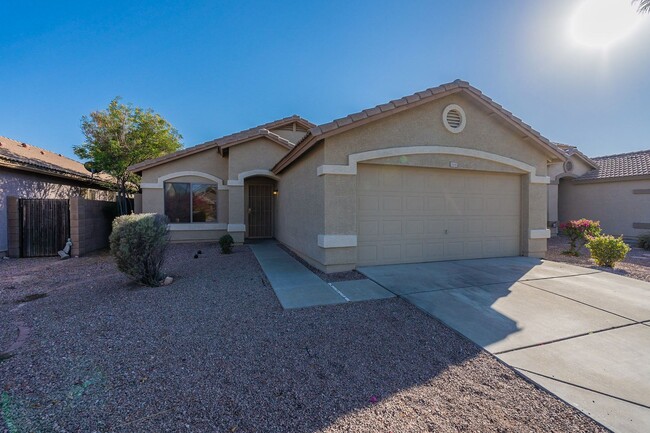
(44, 226)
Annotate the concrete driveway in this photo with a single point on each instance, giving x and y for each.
(581, 333)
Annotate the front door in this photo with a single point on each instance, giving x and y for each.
(260, 211)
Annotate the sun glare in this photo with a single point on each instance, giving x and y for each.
(602, 23)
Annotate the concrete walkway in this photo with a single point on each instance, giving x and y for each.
(298, 287)
(580, 333)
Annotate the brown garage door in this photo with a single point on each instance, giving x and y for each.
(409, 214)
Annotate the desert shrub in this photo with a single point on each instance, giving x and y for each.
(579, 232)
(226, 243)
(138, 244)
(607, 250)
(644, 241)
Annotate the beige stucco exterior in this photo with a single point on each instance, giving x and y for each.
(317, 201)
(228, 171)
(325, 211)
(622, 207)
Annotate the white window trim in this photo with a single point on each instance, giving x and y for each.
(162, 179)
(197, 226)
(353, 159)
(250, 173)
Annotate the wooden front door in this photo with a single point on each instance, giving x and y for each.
(260, 211)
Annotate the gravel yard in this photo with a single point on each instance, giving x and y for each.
(215, 352)
(636, 264)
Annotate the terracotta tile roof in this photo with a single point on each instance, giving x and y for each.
(230, 140)
(25, 155)
(319, 132)
(618, 166)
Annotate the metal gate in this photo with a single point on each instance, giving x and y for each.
(260, 211)
(44, 226)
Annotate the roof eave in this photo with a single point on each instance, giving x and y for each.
(384, 110)
(64, 174)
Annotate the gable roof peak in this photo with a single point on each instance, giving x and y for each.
(362, 117)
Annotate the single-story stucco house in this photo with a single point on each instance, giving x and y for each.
(442, 174)
(30, 172)
(613, 189)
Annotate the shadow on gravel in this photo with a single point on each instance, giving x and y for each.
(214, 351)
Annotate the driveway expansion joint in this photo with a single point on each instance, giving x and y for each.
(584, 303)
(571, 337)
(583, 387)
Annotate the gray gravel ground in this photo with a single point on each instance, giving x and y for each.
(636, 264)
(215, 352)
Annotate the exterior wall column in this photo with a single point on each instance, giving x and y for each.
(339, 239)
(534, 218)
(236, 212)
(553, 197)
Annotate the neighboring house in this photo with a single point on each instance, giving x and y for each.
(614, 190)
(441, 174)
(30, 172)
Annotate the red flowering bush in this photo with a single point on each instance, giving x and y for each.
(579, 232)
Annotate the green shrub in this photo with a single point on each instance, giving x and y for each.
(138, 244)
(226, 243)
(644, 241)
(607, 250)
(579, 232)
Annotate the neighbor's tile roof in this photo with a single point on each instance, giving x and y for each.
(228, 140)
(621, 165)
(18, 153)
(319, 132)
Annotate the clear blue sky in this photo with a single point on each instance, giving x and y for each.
(216, 67)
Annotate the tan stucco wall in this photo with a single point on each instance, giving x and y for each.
(209, 162)
(300, 206)
(612, 203)
(260, 154)
(556, 172)
(423, 126)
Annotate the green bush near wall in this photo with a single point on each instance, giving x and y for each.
(607, 250)
(138, 244)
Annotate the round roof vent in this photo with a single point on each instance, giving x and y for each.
(453, 118)
(568, 166)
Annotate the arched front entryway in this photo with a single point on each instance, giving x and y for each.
(259, 202)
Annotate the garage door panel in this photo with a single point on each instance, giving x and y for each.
(433, 250)
(454, 205)
(474, 204)
(414, 227)
(410, 214)
(435, 204)
(368, 203)
(392, 203)
(391, 252)
(435, 227)
(414, 204)
(391, 228)
(413, 251)
(368, 229)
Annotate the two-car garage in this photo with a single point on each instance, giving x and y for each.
(411, 214)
